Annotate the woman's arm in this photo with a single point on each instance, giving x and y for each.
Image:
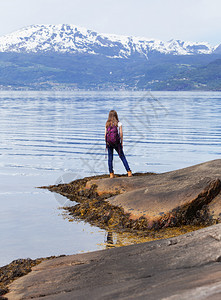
(121, 135)
(105, 133)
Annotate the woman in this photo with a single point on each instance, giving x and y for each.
(114, 140)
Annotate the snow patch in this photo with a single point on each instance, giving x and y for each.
(66, 38)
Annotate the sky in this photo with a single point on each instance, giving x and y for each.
(188, 20)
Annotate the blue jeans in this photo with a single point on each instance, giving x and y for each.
(120, 152)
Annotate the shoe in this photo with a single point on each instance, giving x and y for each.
(111, 175)
(129, 173)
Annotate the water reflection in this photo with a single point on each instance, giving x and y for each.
(115, 239)
(119, 239)
(110, 240)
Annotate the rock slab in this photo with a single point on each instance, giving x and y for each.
(154, 196)
(184, 267)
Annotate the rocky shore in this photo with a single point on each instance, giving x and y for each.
(186, 196)
(183, 267)
(189, 196)
(16, 269)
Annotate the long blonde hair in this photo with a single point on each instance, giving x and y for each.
(112, 119)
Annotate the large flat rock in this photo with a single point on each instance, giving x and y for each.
(154, 196)
(185, 267)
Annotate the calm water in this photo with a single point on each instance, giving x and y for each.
(49, 137)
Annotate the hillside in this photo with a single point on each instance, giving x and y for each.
(207, 77)
(68, 71)
(58, 57)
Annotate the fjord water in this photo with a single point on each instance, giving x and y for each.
(53, 137)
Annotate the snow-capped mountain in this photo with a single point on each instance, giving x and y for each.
(72, 39)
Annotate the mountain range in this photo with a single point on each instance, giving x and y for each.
(71, 57)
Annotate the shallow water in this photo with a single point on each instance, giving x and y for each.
(52, 137)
